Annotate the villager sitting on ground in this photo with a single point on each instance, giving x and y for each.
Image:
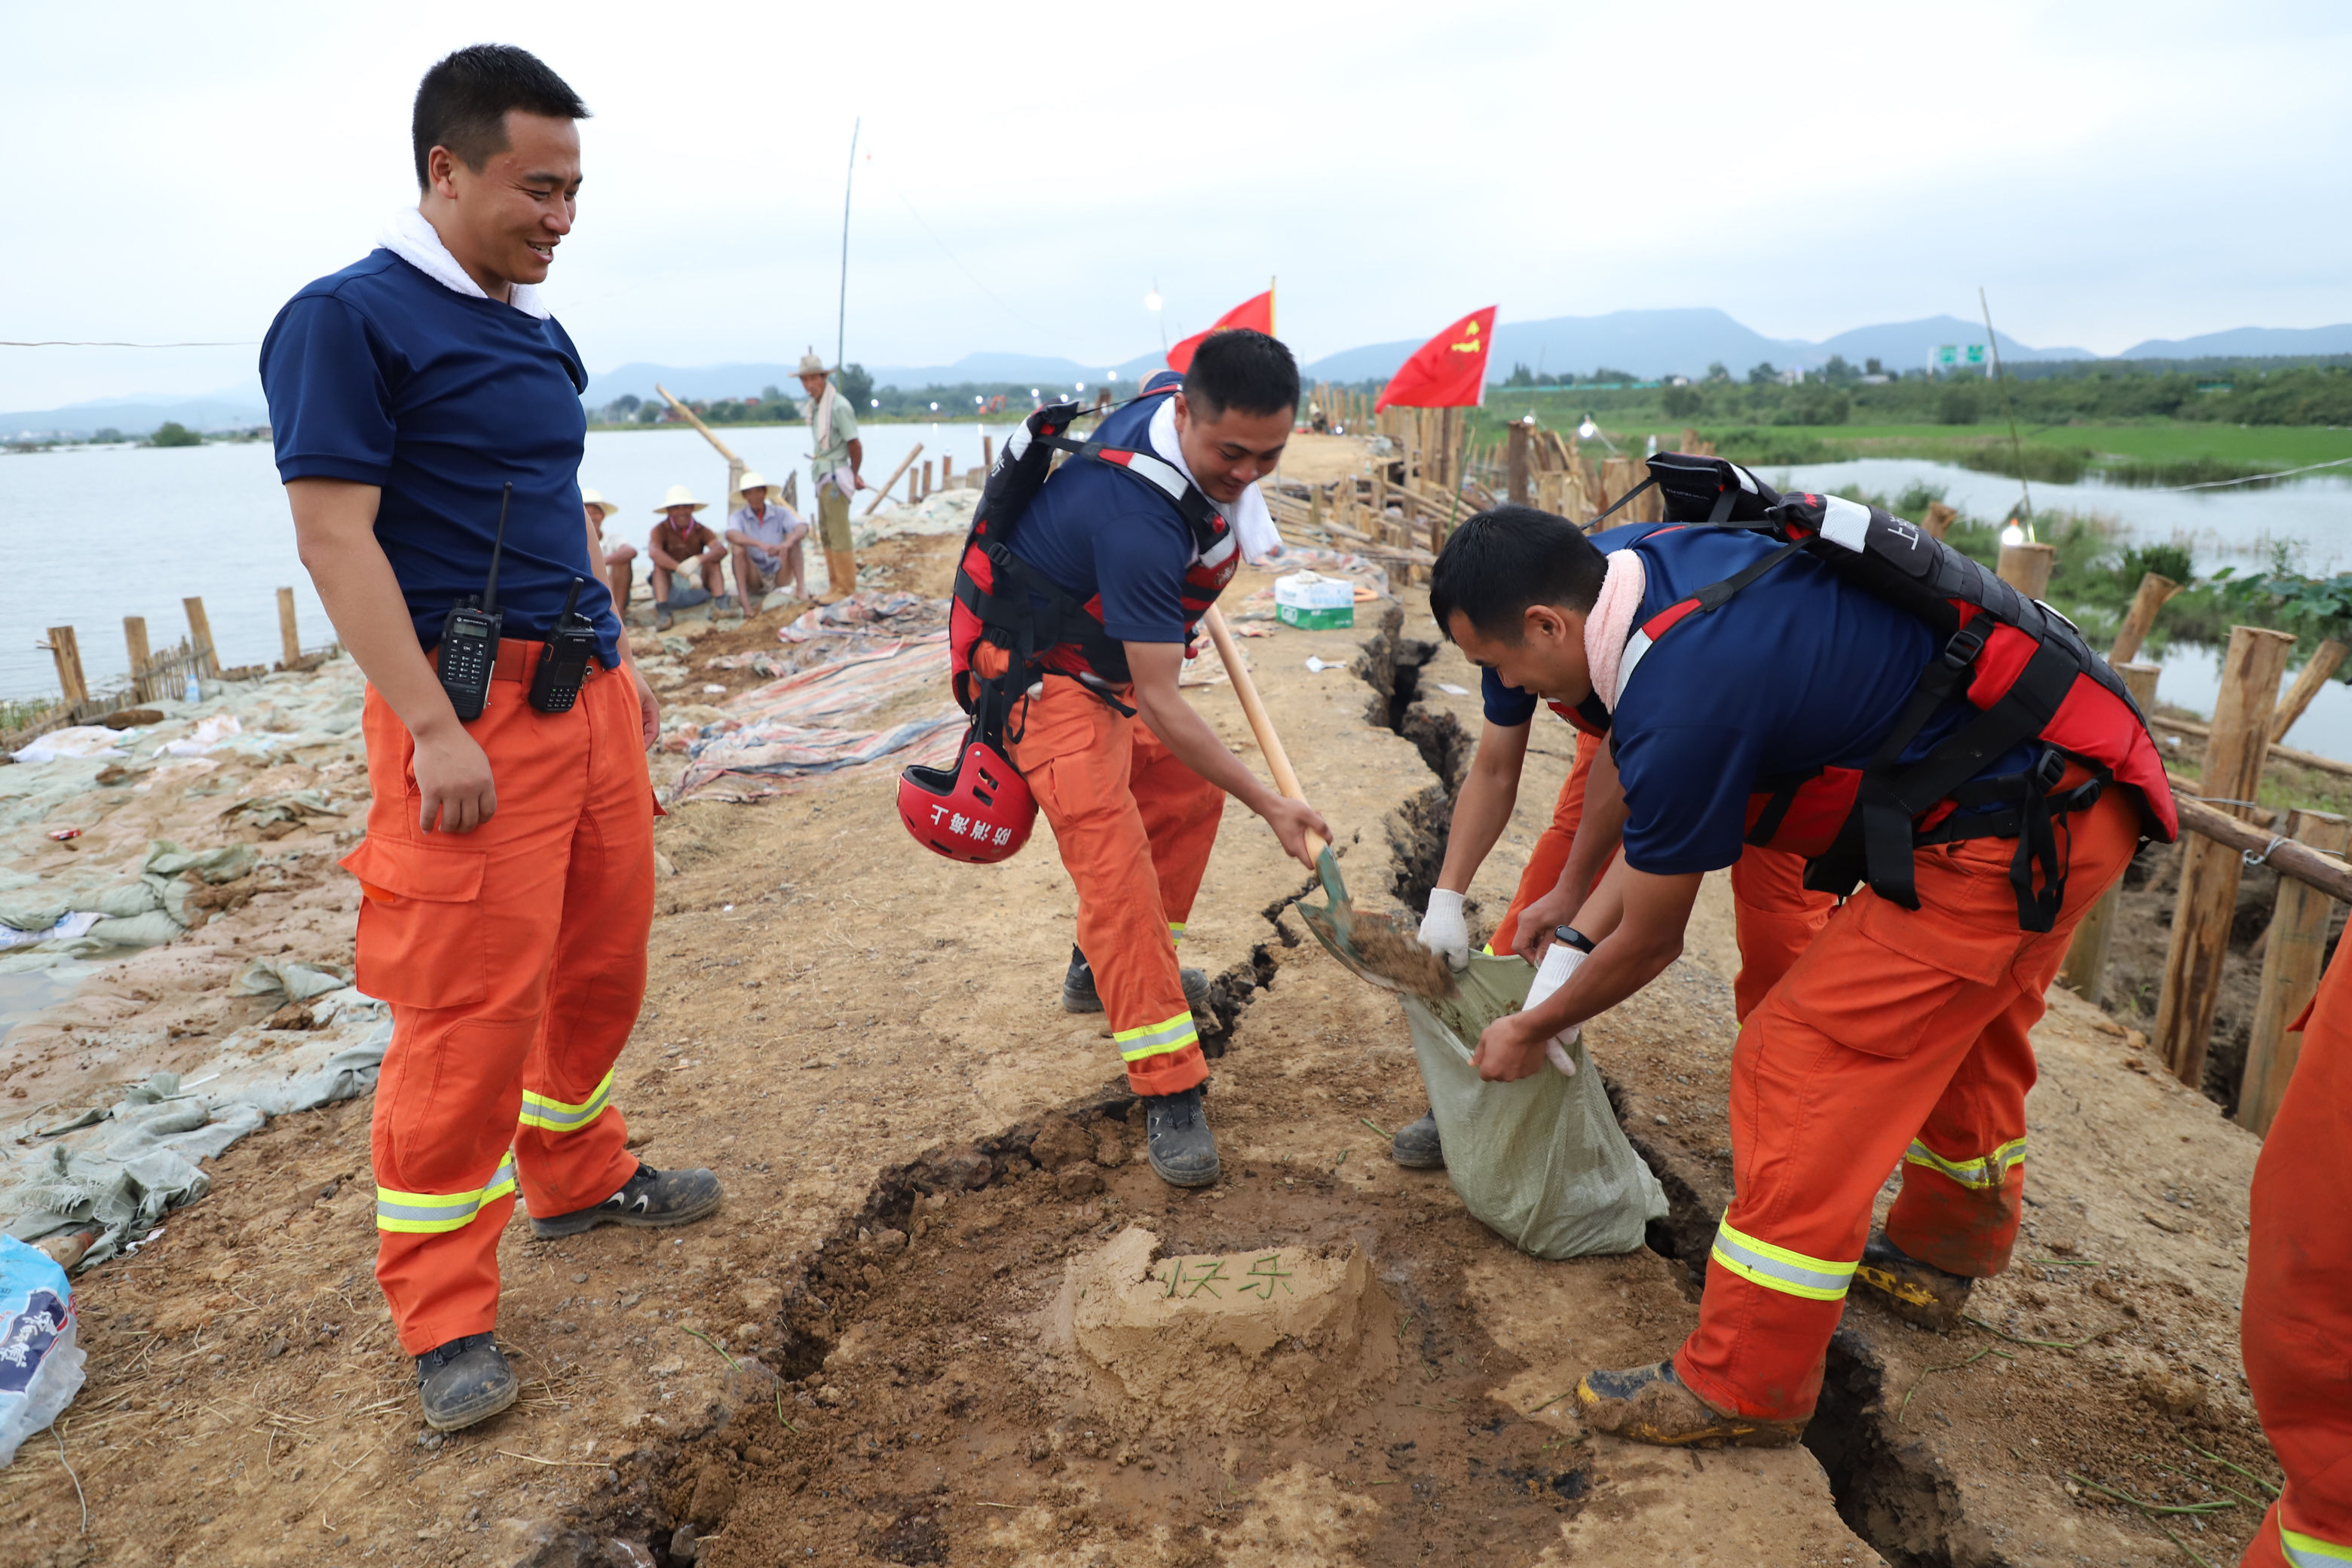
(1107, 575)
(619, 557)
(834, 459)
(1776, 917)
(416, 397)
(679, 545)
(2296, 1327)
(763, 539)
(1744, 679)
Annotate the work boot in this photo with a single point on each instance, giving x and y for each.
(1416, 1144)
(1915, 1291)
(1183, 1150)
(1650, 1404)
(650, 1200)
(1078, 993)
(661, 616)
(464, 1381)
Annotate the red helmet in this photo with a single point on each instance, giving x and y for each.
(980, 810)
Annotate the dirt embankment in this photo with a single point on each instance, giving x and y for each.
(865, 1357)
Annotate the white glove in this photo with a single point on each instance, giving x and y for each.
(1442, 930)
(1559, 961)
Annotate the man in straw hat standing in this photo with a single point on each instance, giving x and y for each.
(833, 464)
(680, 543)
(764, 538)
(416, 398)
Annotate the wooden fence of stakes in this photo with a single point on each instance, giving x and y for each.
(154, 675)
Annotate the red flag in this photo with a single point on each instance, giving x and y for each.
(1257, 314)
(1449, 371)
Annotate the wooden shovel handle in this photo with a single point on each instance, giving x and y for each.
(1277, 761)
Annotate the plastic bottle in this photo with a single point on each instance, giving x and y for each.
(40, 1365)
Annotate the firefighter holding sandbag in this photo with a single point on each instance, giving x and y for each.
(1076, 595)
(1819, 678)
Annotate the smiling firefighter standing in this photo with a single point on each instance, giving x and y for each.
(1821, 678)
(425, 409)
(1079, 591)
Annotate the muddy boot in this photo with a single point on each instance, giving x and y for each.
(1183, 1150)
(1078, 993)
(650, 1200)
(1416, 1144)
(464, 1381)
(1650, 1404)
(1915, 1291)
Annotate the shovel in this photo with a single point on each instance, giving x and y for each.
(1373, 946)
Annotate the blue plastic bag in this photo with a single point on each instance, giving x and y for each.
(40, 1365)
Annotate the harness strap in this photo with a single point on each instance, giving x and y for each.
(1619, 502)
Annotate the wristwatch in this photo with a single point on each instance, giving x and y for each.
(1573, 937)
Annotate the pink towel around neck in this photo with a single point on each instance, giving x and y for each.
(1609, 624)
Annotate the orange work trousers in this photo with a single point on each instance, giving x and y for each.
(1777, 917)
(2296, 1330)
(514, 960)
(1898, 1035)
(1135, 827)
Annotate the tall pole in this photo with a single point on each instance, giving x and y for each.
(1992, 345)
(841, 323)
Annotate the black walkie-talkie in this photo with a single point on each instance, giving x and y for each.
(563, 658)
(469, 638)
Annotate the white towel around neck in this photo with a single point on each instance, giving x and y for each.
(415, 241)
(1253, 526)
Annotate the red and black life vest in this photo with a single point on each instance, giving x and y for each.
(1044, 628)
(2023, 667)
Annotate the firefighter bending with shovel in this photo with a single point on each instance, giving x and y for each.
(1077, 593)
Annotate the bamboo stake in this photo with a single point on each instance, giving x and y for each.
(2323, 663)
(2026, 568)
(1277, 761)
(2153, 590)
(134, 639)
(2085, 970)
(67, 652)
(1517, 464)
(1939, 520)
(289, 637)
(2293, 955)
(200, 631)
(883, 493)
(699, 425)
(2208, 871)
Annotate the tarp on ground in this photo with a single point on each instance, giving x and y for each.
(793, 728)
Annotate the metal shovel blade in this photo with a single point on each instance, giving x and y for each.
(1346, 934)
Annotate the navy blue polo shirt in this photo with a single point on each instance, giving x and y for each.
(1094, 530)
(379, 376)
(1802, 669)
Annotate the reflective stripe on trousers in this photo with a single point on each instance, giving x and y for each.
(420, 1213)
(1158, 1039)
(2310, 1552)
(555, 1116)
(1985, 1174)
(1777, 1268)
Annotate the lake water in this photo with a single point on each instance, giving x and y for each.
(98, 533)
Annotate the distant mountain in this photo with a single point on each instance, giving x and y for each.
(2248, 342)
(1655, 344)
(748, 379)
(137, 415)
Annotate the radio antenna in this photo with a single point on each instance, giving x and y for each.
(497, 543)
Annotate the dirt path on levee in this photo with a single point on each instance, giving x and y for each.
(905, 1338)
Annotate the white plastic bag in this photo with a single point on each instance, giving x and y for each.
(1542, 1162)
(40, 1365)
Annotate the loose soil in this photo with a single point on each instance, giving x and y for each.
(859, 1358)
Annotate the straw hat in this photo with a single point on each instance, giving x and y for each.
(752, 481)
(680, 495)
(604, 509)
(812, 365)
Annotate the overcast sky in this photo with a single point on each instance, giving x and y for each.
(2110, 172)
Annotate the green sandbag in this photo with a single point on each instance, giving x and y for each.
(1541, 1162)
